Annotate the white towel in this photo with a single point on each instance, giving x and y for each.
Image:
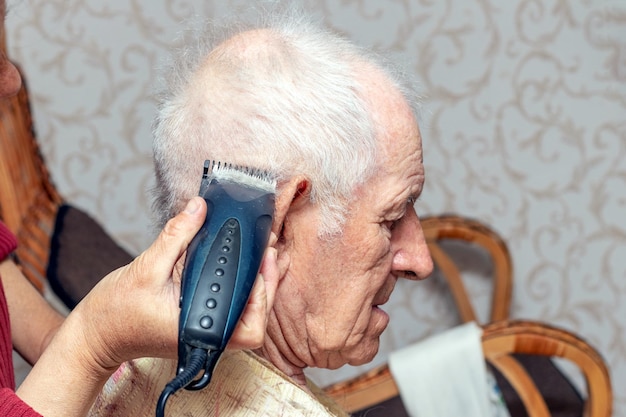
(445, 375)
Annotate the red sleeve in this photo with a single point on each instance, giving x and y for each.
(12, 406)
(8, 242)
(7, 245)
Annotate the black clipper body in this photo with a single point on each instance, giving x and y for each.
(223, 261)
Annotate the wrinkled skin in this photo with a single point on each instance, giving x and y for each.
(327, 311)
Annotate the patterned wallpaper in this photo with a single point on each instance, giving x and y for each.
(524, 128)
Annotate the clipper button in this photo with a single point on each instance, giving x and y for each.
(206, 322)
(211, 303)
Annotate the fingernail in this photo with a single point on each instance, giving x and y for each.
(192, 206)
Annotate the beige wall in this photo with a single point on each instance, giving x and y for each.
(524, 128)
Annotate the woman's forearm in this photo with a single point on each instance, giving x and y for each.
(67, 377)
(33, 321)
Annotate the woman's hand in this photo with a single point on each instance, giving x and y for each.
(133, 312)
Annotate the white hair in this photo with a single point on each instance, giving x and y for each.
(281, 97)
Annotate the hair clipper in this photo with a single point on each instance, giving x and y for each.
(222, 261)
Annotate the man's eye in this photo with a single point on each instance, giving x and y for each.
(391, 224)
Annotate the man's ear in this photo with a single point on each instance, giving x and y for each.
(294, 195)
(293, 200)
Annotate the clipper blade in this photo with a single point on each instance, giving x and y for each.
(252, 177)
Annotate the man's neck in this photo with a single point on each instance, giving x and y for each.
(271, 352)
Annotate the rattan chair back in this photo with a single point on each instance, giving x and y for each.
(28, 199)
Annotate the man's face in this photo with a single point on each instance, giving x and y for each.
(328, 303)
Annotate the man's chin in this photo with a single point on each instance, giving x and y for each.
(363, 361)
(366, 352)
(368, 347)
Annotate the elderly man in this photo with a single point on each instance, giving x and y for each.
(338, 131)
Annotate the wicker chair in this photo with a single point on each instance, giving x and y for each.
(499, 341)
(58, 243)
(441, 228)
(28, 199)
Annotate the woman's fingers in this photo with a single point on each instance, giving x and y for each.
(250, 331)
(271, 277)
(162, 255)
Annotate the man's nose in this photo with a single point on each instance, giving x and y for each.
(411, 257)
